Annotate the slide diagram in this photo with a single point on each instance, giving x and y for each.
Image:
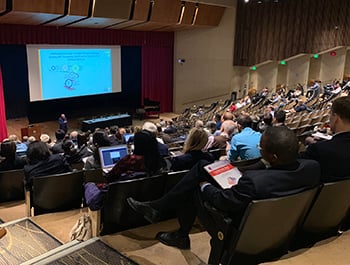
(75, 72)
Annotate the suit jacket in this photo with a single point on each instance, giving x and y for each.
(333, 156)
(264, 184)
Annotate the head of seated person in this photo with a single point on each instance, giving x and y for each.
(279, 146)
(8, 150)
(37, 151)
(146, 145)
(196, 140)
(60, 134)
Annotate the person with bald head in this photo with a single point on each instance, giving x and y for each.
(220, 142)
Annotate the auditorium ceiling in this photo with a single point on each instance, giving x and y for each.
(141, 15)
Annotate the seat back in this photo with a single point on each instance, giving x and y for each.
(117, 214)
(269, 224)
(57, 192)
(11, 185)
(329, 208)
(94, 175)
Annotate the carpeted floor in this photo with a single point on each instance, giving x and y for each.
(95, 253)
(25, 240)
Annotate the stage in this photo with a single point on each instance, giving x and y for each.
(49, 127)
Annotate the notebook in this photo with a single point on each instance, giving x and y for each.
(224, 173)
(110, 155)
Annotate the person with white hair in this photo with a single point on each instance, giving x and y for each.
(151, 127)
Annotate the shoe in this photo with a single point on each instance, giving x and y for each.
(2, 232)
(174, 239)
(144, 208)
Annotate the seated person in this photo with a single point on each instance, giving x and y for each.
(21, 148)
(9, 159)
(144, 160)
(192, 151)
(57, 146)
(170, 127)
(42, 163)
(74, 154)
(284, 176)
(300, 106)
(99, 139)
(334, 154)
(151, 127)
(228, 128)
(244, 145)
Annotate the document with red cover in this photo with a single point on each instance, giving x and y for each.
(224, 173)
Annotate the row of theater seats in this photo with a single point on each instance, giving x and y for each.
(268, 228)
(65, 191)
(271, 227)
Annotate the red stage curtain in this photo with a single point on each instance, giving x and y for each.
(3, 127)
(157, 76)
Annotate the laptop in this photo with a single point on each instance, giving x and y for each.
(110, 155)
(127, 136)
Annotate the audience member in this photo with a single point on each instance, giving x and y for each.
(42, 163)
(170, 128)
(74, 154)
(218, 121)
(57, 147)
(334, 154)
(265, 122)
(151, 127)
(279, 118)
(244, 145)
(192, 151)
(21, 148)
(285, 176)
(99, 139)
(228, 128)
(146, 159)
(9, 159)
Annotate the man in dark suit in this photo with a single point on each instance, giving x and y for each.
(334, 155)
(283, 175)
(63, 123)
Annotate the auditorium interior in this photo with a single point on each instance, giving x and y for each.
(177, 61)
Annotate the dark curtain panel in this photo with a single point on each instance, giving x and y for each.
(13, 59)
(157, 77)
(276, 31)
(3, 127)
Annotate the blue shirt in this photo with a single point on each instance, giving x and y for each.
(245, 145)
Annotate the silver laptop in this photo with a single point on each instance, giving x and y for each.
(110, 155)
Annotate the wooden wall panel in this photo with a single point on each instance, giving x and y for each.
(275, 31)
(33, 12)
(166, 11)
(209, 15)
(106, 13)
(190, 9)
(138, 17)
(77, 9)
(2, 6)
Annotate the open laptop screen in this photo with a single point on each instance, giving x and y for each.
(111, 155)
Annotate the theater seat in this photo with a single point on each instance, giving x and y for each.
(11, 185)
(55, 193)
(263, 233)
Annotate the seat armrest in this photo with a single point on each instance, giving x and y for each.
(95, 222)
(28, 203)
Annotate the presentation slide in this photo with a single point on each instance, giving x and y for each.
(63, 72)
